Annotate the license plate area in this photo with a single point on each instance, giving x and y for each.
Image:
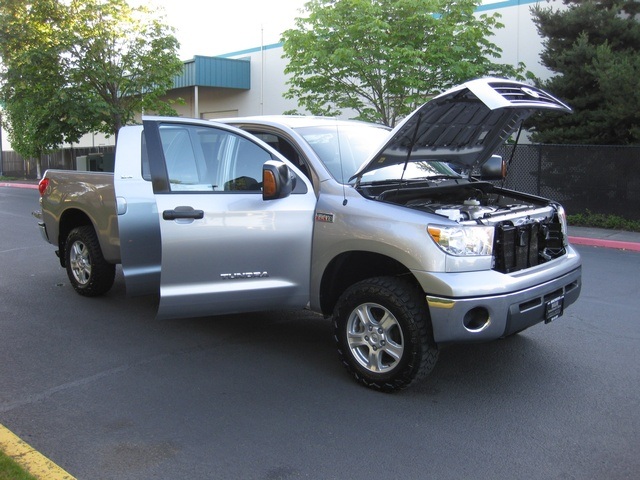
(553, 309)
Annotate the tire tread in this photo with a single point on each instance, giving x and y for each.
(102, 272)
(407, 297)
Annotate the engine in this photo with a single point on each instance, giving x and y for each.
(528, 230)
(470, 209)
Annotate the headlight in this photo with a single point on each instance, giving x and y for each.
(463, 240)
(562, 216)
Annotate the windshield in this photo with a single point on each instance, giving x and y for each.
(343, 147)
(414, 171)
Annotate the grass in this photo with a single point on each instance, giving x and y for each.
(602, 220)
(4, 178)
(12, 470)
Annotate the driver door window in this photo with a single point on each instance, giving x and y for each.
(205, 159)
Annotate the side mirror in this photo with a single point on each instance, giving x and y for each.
(277, 180)
(493, 169)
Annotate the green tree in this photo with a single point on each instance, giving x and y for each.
(80, 66)
(40, 107)
(593, 46)
(383, 58)
(123, 59)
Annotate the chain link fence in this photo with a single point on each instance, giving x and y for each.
(601, 179)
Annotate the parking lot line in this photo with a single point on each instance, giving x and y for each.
(31, 460)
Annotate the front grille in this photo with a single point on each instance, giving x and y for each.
(524, 246)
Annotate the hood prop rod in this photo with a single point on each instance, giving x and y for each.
(513, 152)
(414, 139)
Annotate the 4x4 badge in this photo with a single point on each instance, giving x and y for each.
(324, 217)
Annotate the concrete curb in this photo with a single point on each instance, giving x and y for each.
(19, 185)
(600, 242)
(30, 459)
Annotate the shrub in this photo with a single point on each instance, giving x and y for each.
(603, 220)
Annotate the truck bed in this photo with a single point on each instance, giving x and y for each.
(81, 198)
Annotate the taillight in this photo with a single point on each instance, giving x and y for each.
(42, 186)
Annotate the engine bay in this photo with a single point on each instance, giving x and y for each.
(470, 209)
(528, 228)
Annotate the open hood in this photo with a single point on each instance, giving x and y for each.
(463, 126)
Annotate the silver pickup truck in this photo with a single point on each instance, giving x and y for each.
(387, 232)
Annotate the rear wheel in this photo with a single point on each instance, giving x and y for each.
(383, 333)
(89, 273)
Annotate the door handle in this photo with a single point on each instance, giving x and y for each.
(182, 212)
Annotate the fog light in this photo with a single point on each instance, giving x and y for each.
(476, 319)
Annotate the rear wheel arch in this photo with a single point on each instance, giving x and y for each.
(70, 219)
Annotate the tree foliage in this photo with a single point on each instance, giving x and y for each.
(125, 59)
(594, 48)
(35, 90)
(71, 67)
(383, 58)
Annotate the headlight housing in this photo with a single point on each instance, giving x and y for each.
(463, 240)
(562, 216)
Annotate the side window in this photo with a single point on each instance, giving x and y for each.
(242, 164)
(184, 167)
(285, 148)
(146, 171)
(205, 159)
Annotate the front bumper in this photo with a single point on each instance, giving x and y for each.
(505, 314)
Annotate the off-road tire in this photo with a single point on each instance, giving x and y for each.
(383, 333)
(89, 273)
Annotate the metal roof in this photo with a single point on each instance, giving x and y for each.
(215, 72)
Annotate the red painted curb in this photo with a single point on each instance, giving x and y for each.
(599, 242)
(19, 185)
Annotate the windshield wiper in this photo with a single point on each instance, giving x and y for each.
(440, 177)
(393, 181)
(406, 181)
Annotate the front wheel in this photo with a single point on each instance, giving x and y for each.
(383, 333)
(89, 273)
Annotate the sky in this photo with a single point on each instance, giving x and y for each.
(217, 27)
